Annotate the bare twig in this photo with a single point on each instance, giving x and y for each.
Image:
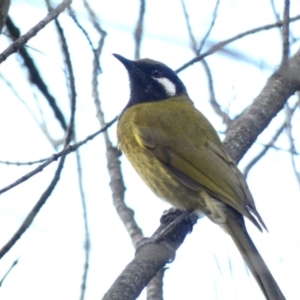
(262, 153)
(87, 242)
(70, 79)
(4, 6)
(155, 286)
(277, 17)
(79, 169)
(220, 45)
(286, 32)
(213, 20)
(280, 86)
(8, 271)
(138, 34)
(213, 101)
(35, 76)
(297, 153)
(34, 30)
(71, 133)
(289, 114)
(112, 155)
(33, 213)
(42, 126)
(74, 18)
(102, 32)
(270, 145)
(189, 28)
(27, 163)
(18, 96)
(54, 157)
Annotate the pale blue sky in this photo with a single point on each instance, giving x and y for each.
(207, 266)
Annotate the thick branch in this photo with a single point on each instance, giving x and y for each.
(245, 130)
(150, 258)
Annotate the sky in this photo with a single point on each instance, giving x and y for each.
(51, 252)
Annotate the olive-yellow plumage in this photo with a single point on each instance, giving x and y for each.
(179, 155)
(151, 149)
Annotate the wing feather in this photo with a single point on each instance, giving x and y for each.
(202, 163)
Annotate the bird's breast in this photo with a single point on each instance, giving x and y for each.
(153, 172)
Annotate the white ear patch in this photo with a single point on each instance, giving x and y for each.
(168, 85)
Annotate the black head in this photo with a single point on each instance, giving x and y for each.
(151, 80)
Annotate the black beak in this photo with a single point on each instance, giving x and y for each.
(128, 64)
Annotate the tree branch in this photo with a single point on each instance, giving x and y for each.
(221, 45)
(35, 75)
(245, 130)
(138, 33)
(150, 258)
(34, 30)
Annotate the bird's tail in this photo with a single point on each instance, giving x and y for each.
(235, 226)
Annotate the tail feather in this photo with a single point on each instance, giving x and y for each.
(235, 226)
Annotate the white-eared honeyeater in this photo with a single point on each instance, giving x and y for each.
(180, 156)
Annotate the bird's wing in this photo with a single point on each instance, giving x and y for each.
(197, 164)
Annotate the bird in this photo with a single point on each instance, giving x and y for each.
(179, 155)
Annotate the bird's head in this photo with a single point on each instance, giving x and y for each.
(151, 81)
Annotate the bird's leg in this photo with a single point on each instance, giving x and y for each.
(162, 231)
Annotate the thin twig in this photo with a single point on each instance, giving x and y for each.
(138, 33)
(71, 133)
(70, 79)
(279, 87)
(86, 35)
(27, 163)
(212, 23)
(35, 75)
(18, 96)
(288, 126)
(270, 145)
(286, 33)
(262, 153)
(34, 30)
(279, 148)
(155, 286)
(33, 213)
(79, 168)
(276, 14)
(102, 32)
(42, 124)
(189, 28)
(213, 101)
(54, 157)
(220, 45)
(8, 271)
(87, 241)
(112, 154)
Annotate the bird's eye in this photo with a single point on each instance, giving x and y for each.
(156, 74)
